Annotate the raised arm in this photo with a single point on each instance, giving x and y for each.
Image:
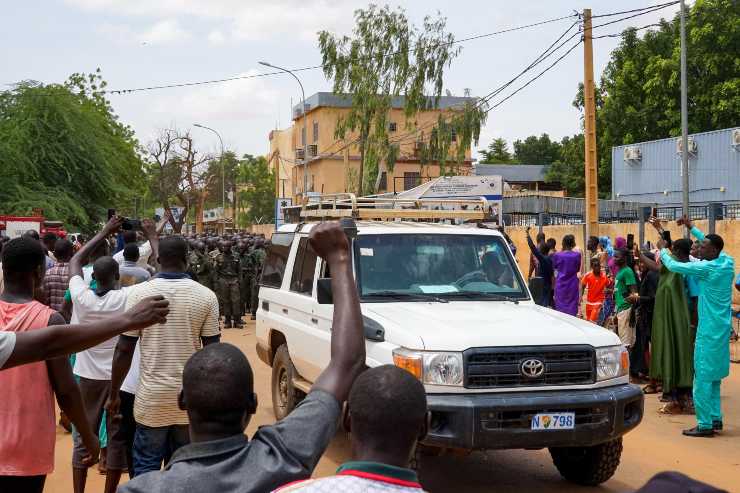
(151, 231)
(698, 269)
(79, 259)
(61, 340)
(347, 339)
(696, 232)
(533, 248)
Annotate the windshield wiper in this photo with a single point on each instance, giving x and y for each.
(474, 295)
(405, 296)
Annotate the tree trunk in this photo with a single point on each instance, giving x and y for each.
(360, 176)
(381, 168)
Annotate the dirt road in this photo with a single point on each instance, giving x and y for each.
(656, 445)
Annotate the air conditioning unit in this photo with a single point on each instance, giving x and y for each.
(300, 154)
(313, 150)
(632, 154)
(736, 139)
(693, 148)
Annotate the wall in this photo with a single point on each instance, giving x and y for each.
(728, 230)
(265, 229)
(714, 172)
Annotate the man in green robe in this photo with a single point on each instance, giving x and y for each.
(671, 347)
(714, 274)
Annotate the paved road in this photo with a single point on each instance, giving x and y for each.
(655, 446)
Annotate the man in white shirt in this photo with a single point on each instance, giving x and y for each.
(145, 250)
(93, 366)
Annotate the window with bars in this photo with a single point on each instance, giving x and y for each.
(315, 131)
(303, 136)
(392, 126)
(411, 179)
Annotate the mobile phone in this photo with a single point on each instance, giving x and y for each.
(630, 242)
(111, 213)
(667, 236)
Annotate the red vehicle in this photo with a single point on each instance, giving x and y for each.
(15, 226)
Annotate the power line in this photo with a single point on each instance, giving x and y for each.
(644, 12)
(620, 34)
(314, 67)
(662, 5)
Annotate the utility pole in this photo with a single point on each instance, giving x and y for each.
(591, 178)
(684, 120)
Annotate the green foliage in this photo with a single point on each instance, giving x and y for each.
(638, 98)
(568, 169)
(536, 150)
(497, 153)
(387, 57)
(257, 198)
(63, 149)
(224, 178)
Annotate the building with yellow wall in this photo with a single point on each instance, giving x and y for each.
(333, 164)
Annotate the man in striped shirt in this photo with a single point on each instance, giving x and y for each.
(161, 426)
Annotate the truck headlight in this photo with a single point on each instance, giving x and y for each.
(611, 362)
(431, 368)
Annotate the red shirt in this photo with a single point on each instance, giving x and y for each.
(596, 286)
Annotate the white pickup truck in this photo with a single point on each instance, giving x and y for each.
(449, 304)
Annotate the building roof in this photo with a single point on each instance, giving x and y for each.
(517, 173)
(329, 99)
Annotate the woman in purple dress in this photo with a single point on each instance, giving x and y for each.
(567, 264)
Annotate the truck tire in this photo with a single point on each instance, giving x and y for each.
(588, 466)
(285, 397)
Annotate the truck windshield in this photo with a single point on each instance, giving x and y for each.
(419, 267)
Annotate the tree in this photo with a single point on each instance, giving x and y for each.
(638, 98)
(178, 173)
(536, 150)
(386, 57)
(63, 149)
(257, 198)
(497, 153)
(568, 170)
(225, 179)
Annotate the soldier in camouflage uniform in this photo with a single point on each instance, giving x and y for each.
(200, 265)
(245, 278)
(258, 258)
(227, 270)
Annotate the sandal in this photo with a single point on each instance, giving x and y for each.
(672, 407)
(649, 389)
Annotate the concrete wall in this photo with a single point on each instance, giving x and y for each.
(265, 229)
(728, 230)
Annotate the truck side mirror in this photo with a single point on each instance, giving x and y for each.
(323, 291)
(373, 330)
(536, 286)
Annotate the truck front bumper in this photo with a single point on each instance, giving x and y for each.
(503, 420)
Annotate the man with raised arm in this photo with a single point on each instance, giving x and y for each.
(714, 274)
(218, 395)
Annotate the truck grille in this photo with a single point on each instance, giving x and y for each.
(501, 367)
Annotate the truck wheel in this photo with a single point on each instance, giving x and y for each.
(285, 397)
(588, 466)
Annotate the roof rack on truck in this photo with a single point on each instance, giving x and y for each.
(339, 205)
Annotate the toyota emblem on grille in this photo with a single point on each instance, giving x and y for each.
(532, 368)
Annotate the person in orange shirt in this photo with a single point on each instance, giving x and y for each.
(595, 283)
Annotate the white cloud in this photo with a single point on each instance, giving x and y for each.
(216, 37)
(236, 100)
(243, 19)
(165, 31)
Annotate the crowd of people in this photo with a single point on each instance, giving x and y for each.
(145, 383)
(670, 305)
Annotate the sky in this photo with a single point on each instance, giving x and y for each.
(142, 43)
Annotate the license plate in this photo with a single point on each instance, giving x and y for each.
(554, 421)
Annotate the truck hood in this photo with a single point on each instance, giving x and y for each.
(460, 325)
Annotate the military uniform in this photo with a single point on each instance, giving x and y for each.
(258, 258)
(200, 264)
(245, 281)
(227, 268)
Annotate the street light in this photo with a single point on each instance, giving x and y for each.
(305, 132)
(223, 173)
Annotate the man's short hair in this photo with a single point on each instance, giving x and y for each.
(63, 250)
(682, 246)
(716, 241)
(32, 233)
(218, 384)
(105, 269)
(22, 255)
(173, 249)
(131, 252)
(388, 407)
(49, 238)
